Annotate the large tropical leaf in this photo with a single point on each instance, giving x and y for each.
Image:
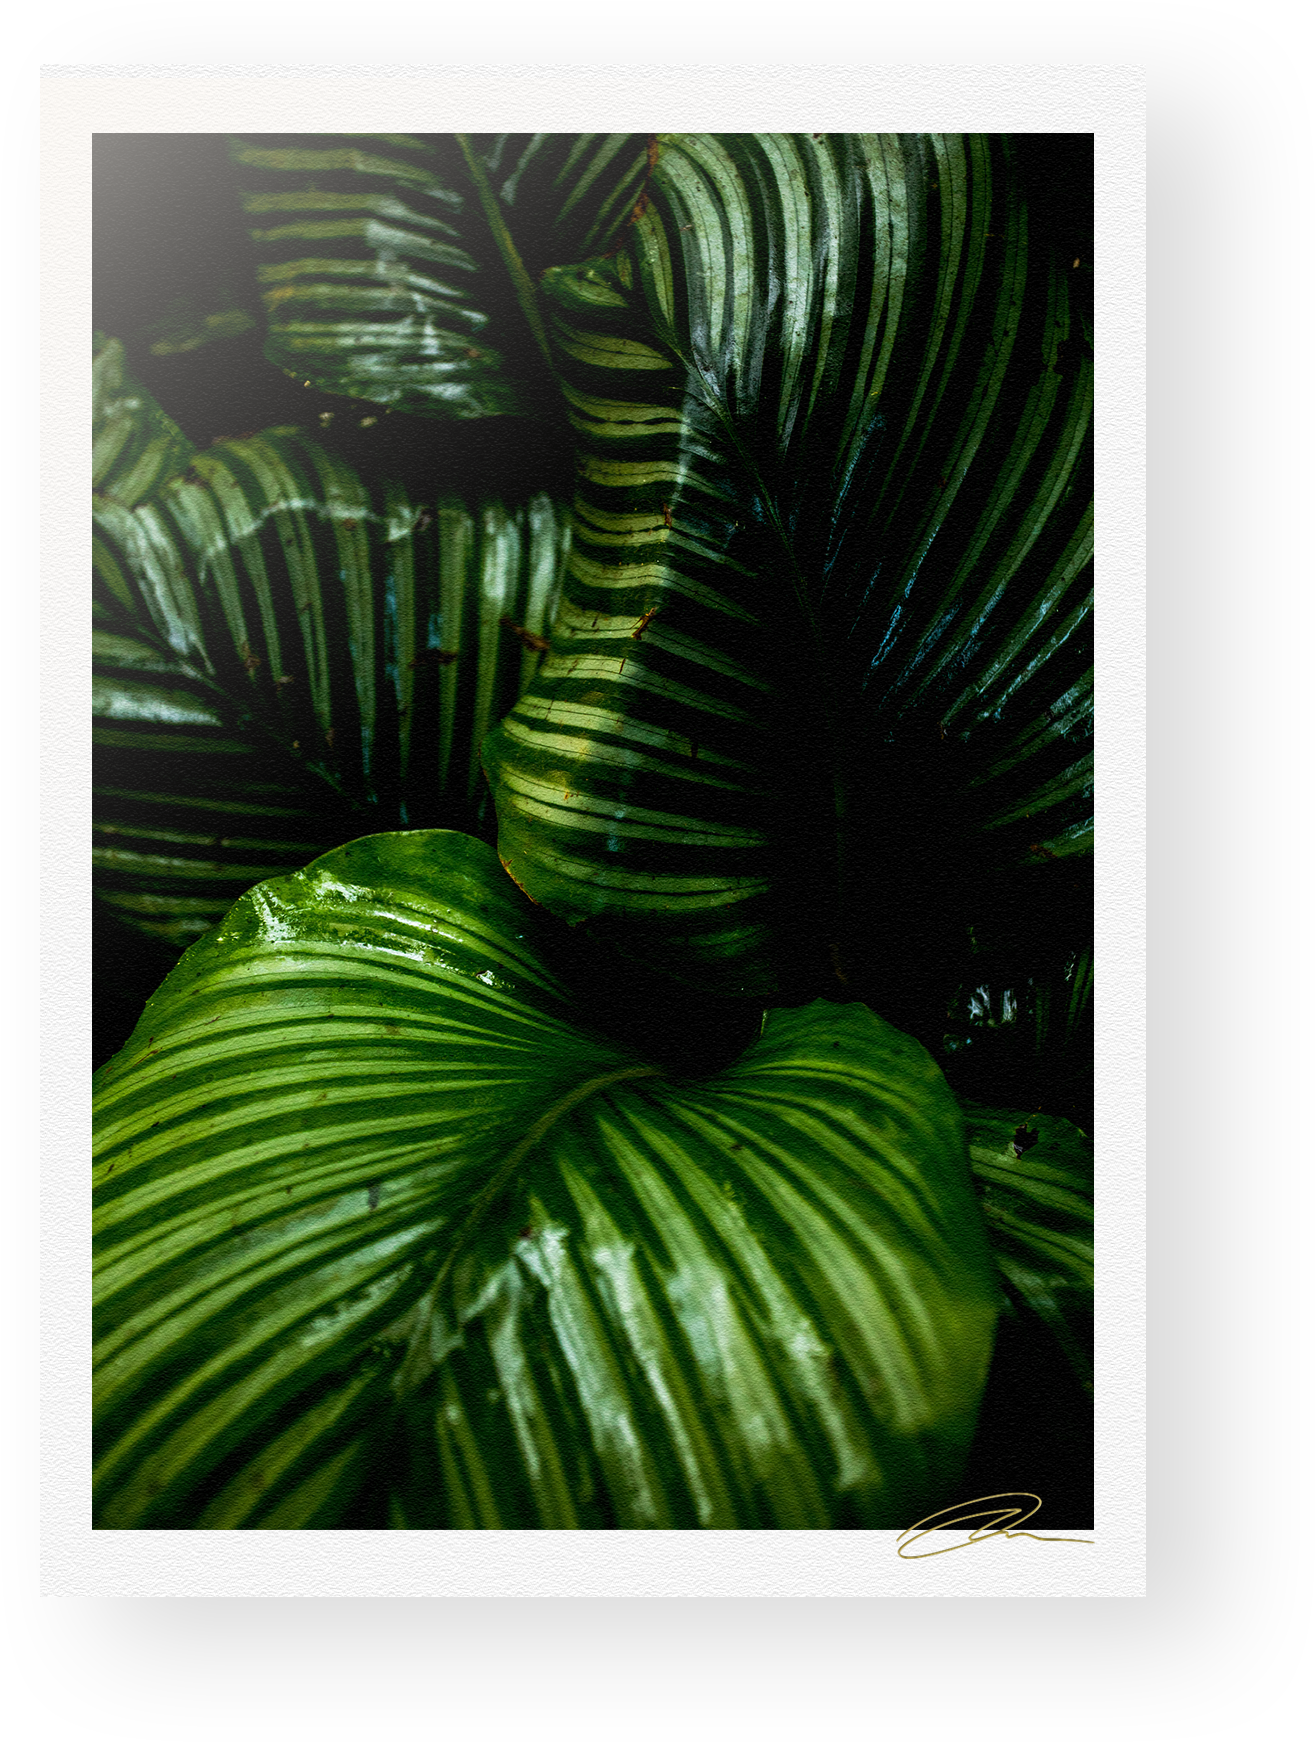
(286, 653)
(386, 1231)
(400, 269)
(825, 641)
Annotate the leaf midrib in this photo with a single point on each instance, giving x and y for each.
(417, 1364)
(824, 689)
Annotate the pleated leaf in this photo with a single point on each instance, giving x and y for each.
(1035, 1176)
(384, 1230)
(825, 630)
(287, 654)
(398, 268)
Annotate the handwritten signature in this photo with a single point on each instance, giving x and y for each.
(999, 1511)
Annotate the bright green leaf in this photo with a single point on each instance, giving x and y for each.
(381, 1222)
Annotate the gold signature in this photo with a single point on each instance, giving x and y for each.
(998, 1509)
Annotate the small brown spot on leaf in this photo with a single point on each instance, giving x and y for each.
(535, 643)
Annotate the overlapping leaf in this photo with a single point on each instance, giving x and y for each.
(385, 1232)
(381, 1222)
(399, 268)
(825, 630)
(1035, 1175)
(285, 652)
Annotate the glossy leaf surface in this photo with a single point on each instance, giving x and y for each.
(825, 632)
(286, 651)
(397, 268)
(381, 1222)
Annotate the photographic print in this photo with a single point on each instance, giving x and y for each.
(593, 831)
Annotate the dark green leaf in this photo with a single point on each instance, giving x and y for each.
(825, 631)
(1034, 1173)
(394, 267)
(135, 445)
(286, 654)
